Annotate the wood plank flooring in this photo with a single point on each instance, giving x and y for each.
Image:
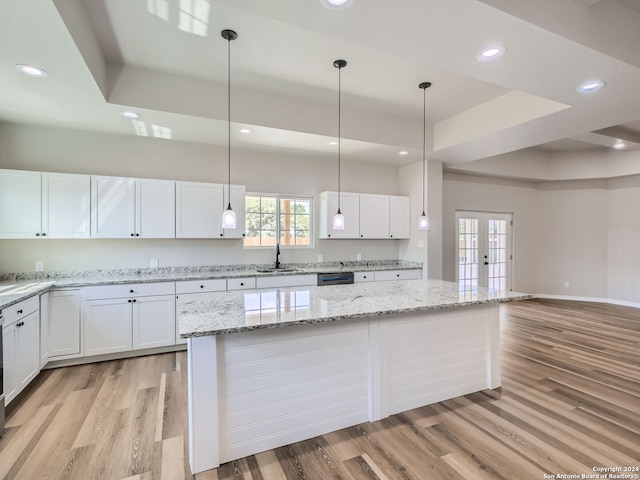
(570, 401)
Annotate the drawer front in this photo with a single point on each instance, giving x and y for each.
(286, 281)
(360, 277)
(385, 275)
(128, 290)
(247, 283)
(199, 286)
(20, 310)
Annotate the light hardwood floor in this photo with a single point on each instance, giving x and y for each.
(570, 401)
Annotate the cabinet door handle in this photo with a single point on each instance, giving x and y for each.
(134, 300)
(132, 235)
(391, 236)
(361, 236)
(44, 234)
(221, 235)
(19, 324)
(328, 235)
(137, 234)
(129, 300)
(37, 234)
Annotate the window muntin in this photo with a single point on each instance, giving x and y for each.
(278, 218)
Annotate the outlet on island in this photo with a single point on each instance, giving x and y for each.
(358, 256)
(39, 266)
(155, 262)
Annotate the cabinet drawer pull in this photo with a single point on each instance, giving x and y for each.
(19, 311)
(130, 291)
(397, 274)
(242, 284)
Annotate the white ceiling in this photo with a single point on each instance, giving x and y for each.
(103, 56)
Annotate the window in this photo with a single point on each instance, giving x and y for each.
(277, 218)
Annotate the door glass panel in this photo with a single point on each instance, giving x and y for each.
(468, 253)
(497, 249)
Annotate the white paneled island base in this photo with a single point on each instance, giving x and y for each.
(263, 388)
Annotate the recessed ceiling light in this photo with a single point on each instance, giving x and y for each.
(403, 152)
(590, 86)
(130, 114)
(491, 53)
(31, 71)
(336, 4)
(619, 144)
(333, 143)
(245, 130)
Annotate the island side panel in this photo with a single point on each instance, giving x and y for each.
(493, 337)
(203, 403)
(437, 355)
(283, 385)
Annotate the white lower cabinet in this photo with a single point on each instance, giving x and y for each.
(63, 323)
(21, 346)
(134, 322)
(154, 323)
(107, 326)
(386, 275)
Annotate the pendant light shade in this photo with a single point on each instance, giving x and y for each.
(423, 220)
(229, 216)
(338, 218)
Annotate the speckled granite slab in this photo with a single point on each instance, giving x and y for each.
(170, 274)
(231, 312)
(41, 281)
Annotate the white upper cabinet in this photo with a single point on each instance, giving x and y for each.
(374, 216)
(399, 217)
(66, 205)
(44, 205)
(237, 205)
(20, 204)
(199, 210)
(126, 207)
(155, 208)
(367, 216)
(112, 207)
(350, 208)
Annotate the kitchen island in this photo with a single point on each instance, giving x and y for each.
(347, 354)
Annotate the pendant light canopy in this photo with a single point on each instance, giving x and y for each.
(423, 220)
(338, 218)
(229, 216)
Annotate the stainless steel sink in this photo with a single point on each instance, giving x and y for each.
(276, 270)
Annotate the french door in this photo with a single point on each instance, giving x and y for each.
(484, 250)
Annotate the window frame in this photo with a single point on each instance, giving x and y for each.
(278, 197)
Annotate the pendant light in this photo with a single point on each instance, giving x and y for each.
(338, 218)
(229, 216)
(423, 220)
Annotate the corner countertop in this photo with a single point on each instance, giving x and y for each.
(242, 311)
(17, 287)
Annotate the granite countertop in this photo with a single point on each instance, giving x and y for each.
(17, 287)
(241, 311)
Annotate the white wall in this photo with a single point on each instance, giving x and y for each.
(572, 240)
(623, 239)
(494, 195)
(585, 233)
(29, 147)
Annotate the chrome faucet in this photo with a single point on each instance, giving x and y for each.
(277, 255)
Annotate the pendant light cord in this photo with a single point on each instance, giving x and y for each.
(229, 116)
(339, 132)
(424, 141)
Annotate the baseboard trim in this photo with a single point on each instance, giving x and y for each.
(587, 299)
(113, 356)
